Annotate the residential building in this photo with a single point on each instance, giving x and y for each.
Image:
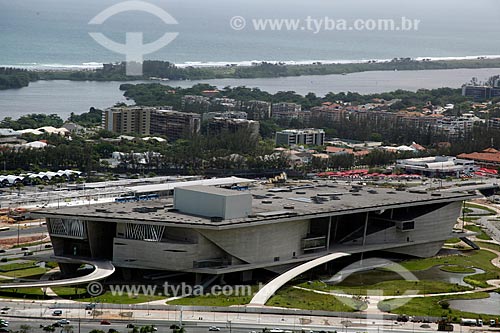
(309, 136)
(174, 124)
(151, 121)
(218, 125)
(256, 110)
(225, 115)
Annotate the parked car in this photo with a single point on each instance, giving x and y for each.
(4, 330)
(130, 325)
(105, 322)
(24, 249)
(57, 312)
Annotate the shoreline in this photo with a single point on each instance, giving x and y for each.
(161, 71)
(89, 66)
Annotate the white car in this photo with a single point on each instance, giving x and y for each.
(64, 322)
(214, 329)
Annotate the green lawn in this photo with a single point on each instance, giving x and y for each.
(481, 234)
(290, 297)
(487, 210)
(16, 266)
(80, 294)
(456, 269)
(391, 288)
(453, 241)
(25, 273)
(23, 293)
(430, 306)
(209, 300)
(479, 259)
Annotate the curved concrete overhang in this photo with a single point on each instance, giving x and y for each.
(102, 269)
(263, 295)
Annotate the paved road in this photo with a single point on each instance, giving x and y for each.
(23, 232)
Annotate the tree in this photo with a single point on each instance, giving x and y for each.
(24, 328)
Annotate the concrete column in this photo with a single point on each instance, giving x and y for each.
(328, 235)
(366, 228)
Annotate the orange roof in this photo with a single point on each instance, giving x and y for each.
(482, 157)
(334, 150)
(491, 150)
(418, 147)
(361, 153)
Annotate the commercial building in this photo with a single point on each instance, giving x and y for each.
(488, 158)
(310, 136)
(437, 166)
(245, 226)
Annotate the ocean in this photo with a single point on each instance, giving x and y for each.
(55, 33)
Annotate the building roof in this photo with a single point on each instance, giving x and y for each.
(300, 200)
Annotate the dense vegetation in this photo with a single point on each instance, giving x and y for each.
(165, 69)
(87, 119)
(11, 78)
(32, 121)
(155, 94)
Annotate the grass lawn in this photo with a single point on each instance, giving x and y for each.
(453, 241)
(16, 266)
(486, 209)
(23, 293)
(456, 269)
(391, 288)
(80, 294)
(481, 234)
(430, 306)
(479, 259)
(25, 273)
(290, 297)
(470, 219)
(211, 300)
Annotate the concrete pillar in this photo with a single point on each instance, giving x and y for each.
(366, 228)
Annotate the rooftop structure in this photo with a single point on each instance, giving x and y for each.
(437, 166)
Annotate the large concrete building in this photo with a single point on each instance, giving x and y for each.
(249, 226)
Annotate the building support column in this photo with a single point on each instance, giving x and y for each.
(366, 228)
(328, 235)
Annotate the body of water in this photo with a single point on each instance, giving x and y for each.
(64, 97)
(55, 33)
(489, 305)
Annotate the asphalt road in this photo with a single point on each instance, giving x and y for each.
(87, 325)
(12, 232)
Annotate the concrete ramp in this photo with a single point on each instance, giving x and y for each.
(261, 298)
(102, 270)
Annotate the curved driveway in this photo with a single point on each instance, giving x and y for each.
(102, 269)
(261, 298)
